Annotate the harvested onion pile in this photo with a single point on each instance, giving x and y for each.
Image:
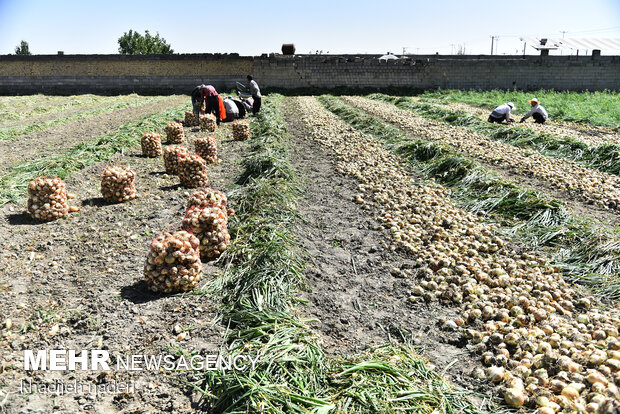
(587, 184)
(241, 130)
(174, 133)
(47, 199)
(171, 157)
(173, 264)
(208, 122)
(207, 197)
(151, 144)
(193, 171)
(190, 119)
(545, 344)
(118, 184)
(206, 148)
(209, 225)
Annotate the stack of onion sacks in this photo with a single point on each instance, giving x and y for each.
(207, 197)
(174, 133)
(47, 199)
(241, 130)
(172, 154)
(118, 184)
(173, 264)
(190, 119)
(193, 171)
(151, 144)
(207, 148)
(208, 122)
(209, 224)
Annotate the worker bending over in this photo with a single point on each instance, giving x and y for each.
(537, 112)
(208, 95)
(502, 113)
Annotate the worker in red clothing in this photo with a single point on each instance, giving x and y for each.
(208, 95)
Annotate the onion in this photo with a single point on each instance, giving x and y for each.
(174, 133)
(172, 154)
(208, 224)
(241, 130)
(208, 122)
(190, 119)
(207, 148)
(192, 170)
(151, 145)
(496, 374)
(117, 184)
(515, 397)
(173, 263)
(47, 199)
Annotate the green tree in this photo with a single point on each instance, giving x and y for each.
(133, 43)
(23, 48)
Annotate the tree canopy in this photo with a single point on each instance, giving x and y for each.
(23, 48)
(134, 43)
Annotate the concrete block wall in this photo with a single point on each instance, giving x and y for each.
(429, 72)
(153, 74)
(112, 74)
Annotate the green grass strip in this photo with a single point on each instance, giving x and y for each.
(258, 292)
(588, 254)
(13, 185)
(16, 131)
(595, 108)
(604, 157)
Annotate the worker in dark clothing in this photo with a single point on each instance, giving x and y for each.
(208, 95)
(197, 101)
(256, 96)
(240, 107)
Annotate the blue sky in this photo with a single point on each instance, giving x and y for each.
(250, 28)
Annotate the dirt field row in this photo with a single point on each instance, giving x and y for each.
(389, 260)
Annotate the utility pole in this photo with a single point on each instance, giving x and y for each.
(494, 41)
(563, 33)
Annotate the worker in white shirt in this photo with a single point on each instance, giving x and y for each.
(502, 113)
(537, 112)
(256, 96)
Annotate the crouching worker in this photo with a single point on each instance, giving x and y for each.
(232, 110)
(502, 113)
(537, 112)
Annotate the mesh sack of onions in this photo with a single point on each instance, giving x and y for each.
(190, 119)
(151, 144)
(193, 171)
(173, 264)
(47, 199)
(171, 157)
(174, 133)
(209, 225)
(208, 122)
(241, 130)
(207, 148)
(207, 197)
(118, 184)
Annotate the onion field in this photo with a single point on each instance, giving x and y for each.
(344, 254)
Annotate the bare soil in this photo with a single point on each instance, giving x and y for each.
(77, 283)
(360, 288)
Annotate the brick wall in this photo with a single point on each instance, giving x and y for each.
(68, 74)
